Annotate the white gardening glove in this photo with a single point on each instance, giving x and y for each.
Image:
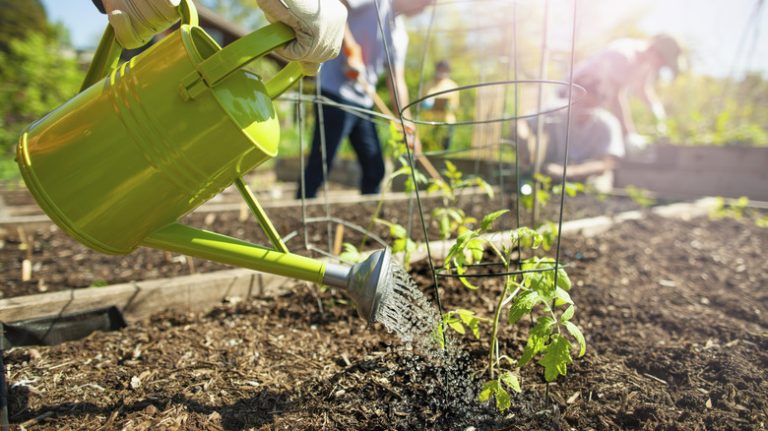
(136, 21)
(319, 27)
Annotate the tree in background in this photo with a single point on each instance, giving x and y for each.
(19, 18)
(242, 12)
(36, 73)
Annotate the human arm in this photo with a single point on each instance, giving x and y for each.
(651, 99)
(583, 170)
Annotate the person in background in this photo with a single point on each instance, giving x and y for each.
(442, 108)
(350, 79)
(318, 25)
(630, 67)
(594, 143)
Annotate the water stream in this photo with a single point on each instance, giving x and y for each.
(442, 379)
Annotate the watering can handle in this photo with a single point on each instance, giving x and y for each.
(107, 55)
(248, 48)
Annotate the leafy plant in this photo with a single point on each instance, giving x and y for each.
(640, 196)
(737, 210)
(401, 241)
(35, 77)
(538, 290)
(544, 190)
(450, 218)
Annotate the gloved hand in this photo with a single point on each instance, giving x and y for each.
(319, 27)
(136, 21)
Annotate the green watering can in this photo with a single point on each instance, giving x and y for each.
(148, 141)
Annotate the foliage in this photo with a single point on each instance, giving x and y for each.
(543, 190)
(19, 18)
(450, 218)
(35, 78)
(738, 209)
(242, 12)
(401, 241)
(640, 196)
(350, 254)
(538, 290)
(712, 111)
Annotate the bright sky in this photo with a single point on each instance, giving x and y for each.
(712, 29)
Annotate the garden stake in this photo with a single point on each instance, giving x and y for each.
(119, 164)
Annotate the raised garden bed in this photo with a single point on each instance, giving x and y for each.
(53, 254)
(674, 312)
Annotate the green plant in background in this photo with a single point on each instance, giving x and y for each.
(401, 241)
(544, 190)
(640, 196)
(703, 110)
(36, 76)
(737, 209)
(538, 291)
(450, 218)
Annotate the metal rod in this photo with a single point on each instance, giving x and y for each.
(261, 215)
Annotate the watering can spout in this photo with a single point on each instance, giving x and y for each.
(367, 282)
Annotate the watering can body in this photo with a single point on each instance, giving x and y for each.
(152, 140)
(146, 142)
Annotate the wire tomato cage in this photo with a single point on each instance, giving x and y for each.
(410, 113)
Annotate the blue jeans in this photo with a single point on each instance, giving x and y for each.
(340, 124)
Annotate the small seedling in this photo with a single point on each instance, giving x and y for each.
(451, 219)
(538, 290)
(640, 196)
(402, 243)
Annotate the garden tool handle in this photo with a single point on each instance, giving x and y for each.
(248, 48)
(107, 55)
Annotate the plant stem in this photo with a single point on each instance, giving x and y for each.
(495, 329)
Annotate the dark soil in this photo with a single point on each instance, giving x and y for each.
(675, 314)
(53, 254)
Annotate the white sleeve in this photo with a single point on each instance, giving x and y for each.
(399, 42)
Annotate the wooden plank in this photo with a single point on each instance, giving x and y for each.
(42, 220)
(671, 182)
(201, 292)
(138, 300)
(589, 227)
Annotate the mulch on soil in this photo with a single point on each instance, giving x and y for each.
(53, 254)
(675, 315)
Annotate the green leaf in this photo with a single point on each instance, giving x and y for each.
(438, 336)
(397, 231)
(470, 320)
(567, 314)
(461, 270)
(399, 245)
(350, 253)
(456, 326)
(476, 247)
(489, 388)
(503, 400)
(488, 220)
(562, 279)
(522, 305)
(511, 381)
(562, 297)
(578, 335)
(537, 339)
(556, 358)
